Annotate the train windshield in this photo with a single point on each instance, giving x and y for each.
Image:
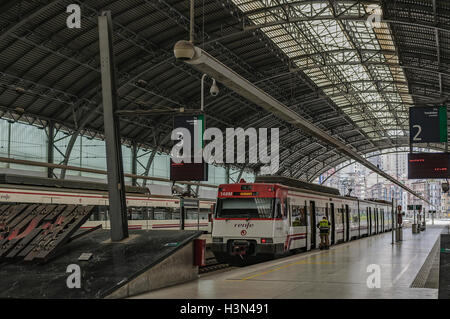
(245, 207)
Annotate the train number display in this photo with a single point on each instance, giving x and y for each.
(428, 165)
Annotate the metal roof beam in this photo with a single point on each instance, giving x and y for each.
(205, 63)
(362, 18)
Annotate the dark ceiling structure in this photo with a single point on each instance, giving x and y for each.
(320, 58)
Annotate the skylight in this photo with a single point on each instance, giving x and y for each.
(330, 51)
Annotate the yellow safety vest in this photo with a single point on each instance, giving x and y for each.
(324, 224)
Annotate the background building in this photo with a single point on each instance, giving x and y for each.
(366, 184)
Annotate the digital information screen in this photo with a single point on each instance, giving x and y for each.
(190, 171)
(428, 165)
(428, 124)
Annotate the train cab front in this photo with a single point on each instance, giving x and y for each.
(245, 224)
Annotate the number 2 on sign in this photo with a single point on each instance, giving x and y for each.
(419, 130)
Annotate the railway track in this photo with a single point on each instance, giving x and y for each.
(212, 265)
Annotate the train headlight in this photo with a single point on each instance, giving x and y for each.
(217, 239)
(266, 240)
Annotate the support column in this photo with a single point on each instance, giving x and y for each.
(227, 174)
(197, 189)
(114, 161)
(50, 148)
(9, 142)
(147, 168)
(134, 151)
(240, 174)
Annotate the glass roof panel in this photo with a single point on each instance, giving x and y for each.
(353, 62)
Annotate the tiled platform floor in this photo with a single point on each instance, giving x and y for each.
(340, 272)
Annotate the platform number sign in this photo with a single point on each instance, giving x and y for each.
(190, 171)
(428, 124)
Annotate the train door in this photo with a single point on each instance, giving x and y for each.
(313, 223)
(359, 219)
(378, 221)
(333, 224)
(308, 226)
(369, 219)
(381, 212)
(386, 220)
(289, 213)
(374, 222)
(388, 217)
(347, 223)
(299, 225)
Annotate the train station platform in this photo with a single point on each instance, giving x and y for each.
(146, 260)
(341, 272)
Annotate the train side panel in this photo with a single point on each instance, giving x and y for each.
(364, 219)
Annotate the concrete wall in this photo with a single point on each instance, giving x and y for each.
(176, 269)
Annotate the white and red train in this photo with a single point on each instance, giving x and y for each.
(275, 216)
(145, 211)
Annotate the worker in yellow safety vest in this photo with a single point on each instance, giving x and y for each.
(324, 226)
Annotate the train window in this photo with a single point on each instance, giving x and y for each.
(339, 216)
(138, 213)
(355, 216)
(281, 208)
(303, 219)
(163, 213)
(320, 212)
(295, 216)
(278, 209)
(245, 207)
(174, 213)
(150, 213)
(100, 213)
(363, 216)
(158, 216)
(204, 213)
(191, 213)
(298, 216)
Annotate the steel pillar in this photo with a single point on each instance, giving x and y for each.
(9, 142)
(149, 164)
(116, 179)
(197, 189)
(227, 174)
(134, 151)
(50, 147)
(240, 174)
(88, 118)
